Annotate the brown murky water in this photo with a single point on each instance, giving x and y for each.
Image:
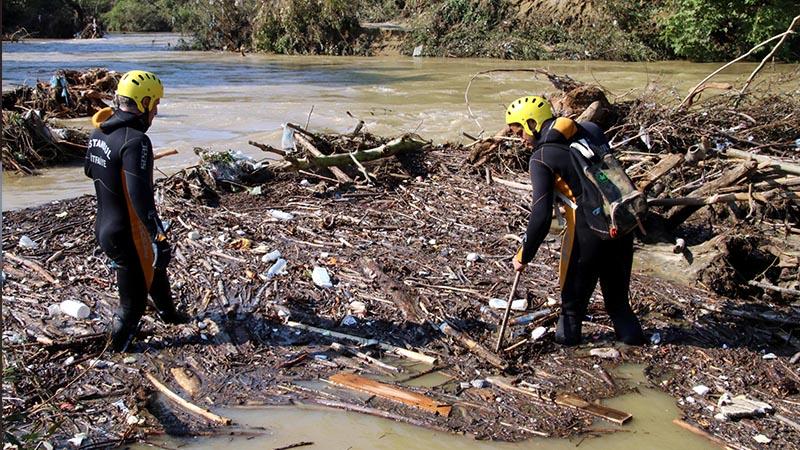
(651, 428)
(222, 100)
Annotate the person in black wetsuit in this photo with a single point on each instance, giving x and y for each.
(585, 257)
(119, 159)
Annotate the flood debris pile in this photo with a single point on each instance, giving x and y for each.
(68, 94)
(29, 142)
(31, 138)
(721, 176)
(381, 294)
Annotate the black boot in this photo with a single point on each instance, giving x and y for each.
(568, 331)
(122, 334)
(174, 317)
(628, 329)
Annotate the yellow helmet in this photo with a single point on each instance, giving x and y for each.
(525, 108)
(138, 84)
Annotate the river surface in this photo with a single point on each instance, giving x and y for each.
(222, 100)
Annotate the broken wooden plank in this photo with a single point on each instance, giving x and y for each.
(662, 168)
(391, 392)
(604, 412)
(504, 383)
(410, 354)
(397, 291)
(474, 347)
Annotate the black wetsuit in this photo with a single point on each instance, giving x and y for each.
(585, 256)
(120, 161)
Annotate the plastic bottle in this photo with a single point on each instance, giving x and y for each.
(516, 305)
(287, 140)
(74, 309)
(280, 215)
(277, 268)
(271, 256)
(321, 277)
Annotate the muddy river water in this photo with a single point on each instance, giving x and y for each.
(222, 100)
(276, 427)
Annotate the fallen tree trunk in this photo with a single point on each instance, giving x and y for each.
(678, 215)
(403, 144)
(791, 168)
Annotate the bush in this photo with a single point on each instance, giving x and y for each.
(329, 27)
(137, 15)
(704, 30)
(217, 24)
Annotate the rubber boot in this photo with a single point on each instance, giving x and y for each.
(122, 334)
(568, 331)
(628, 329)
(173, 317)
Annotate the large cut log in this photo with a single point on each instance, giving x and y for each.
(398, 292)
(783, 166)
(391, 392)
(679, 214)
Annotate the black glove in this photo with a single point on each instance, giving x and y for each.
(162, 254)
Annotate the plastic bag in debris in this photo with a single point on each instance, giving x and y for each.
(230, 166)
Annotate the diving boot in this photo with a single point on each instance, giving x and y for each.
(174, 317)
(568, 331)
(628, 329)
(121, 334)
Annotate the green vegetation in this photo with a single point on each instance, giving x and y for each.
(720, 29)
(636, 30)
(328, 27)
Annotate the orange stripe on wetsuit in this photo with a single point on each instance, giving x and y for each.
(140, 236)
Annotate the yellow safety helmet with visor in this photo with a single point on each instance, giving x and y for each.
(529, 108)
(138, 84)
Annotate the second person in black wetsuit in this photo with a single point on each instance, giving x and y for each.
(119, 159)
(585, 257)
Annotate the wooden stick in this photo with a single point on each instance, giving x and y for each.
(749, 52)
(397, 292)
(504, 323)
(190, 407)
(342, 349)
(769, 56)
(32, 266)
(267, 148)
(474, 347)
(700, 432)
(376, 412)
(388, 347)
(662, 168)
(167, 152)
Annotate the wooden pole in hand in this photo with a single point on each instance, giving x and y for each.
(504, 323)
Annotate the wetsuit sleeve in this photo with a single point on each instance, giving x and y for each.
(542, 181)
(137, 168)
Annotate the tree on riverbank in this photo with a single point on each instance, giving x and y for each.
(631, 30)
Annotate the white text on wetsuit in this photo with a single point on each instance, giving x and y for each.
(99, 143)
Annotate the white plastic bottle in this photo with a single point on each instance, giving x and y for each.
(74, 308)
